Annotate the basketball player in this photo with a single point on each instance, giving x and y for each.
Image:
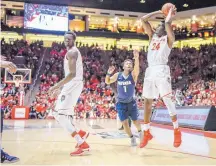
(129, 122)
(157, 79)
(126, 104)
(6, 158)
(114, 89)
(72, 86)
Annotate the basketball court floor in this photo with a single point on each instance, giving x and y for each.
(44, 142)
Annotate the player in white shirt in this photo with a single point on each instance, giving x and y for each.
(157, 81)
(71, 88)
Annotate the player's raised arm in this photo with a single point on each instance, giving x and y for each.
(72, 58)
(146, 24)
(135, 72)
(108, 79)
(11, 67)
(168, 27)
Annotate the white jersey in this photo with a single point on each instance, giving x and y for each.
(71, 91)
(79, 67)
(158, 51)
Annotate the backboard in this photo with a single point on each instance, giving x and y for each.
(22, 75)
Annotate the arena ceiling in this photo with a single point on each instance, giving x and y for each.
(144, 6)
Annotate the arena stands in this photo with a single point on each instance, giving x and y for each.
(31, 53)
(97, 100)
(190, 69)
(200, 93)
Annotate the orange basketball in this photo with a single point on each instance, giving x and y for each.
(166, 7)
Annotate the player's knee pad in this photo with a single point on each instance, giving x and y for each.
(66, 121)
(170, 105)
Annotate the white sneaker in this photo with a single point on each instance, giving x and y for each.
(133, 141)
(140, 136)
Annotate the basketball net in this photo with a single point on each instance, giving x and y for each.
(18, 84)
(21, 87)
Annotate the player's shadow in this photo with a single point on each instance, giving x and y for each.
(87, 154)
(84, 154)
(153, 155)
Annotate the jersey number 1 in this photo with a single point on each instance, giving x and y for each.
(125, 89)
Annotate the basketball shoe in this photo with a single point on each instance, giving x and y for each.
(6, 158)
(133, 141)
(81, 149)
(84, 135)
(140, 135)
(177, 138)
(146, 137)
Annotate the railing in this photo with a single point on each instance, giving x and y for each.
(126, 35)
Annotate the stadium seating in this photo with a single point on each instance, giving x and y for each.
(31, 53)
(192, 73)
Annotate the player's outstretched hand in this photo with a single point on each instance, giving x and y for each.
(162, 14)
(136, 54)
(173, 11)
(11, 67)
(111, 70)
(171, 14)
(2, 58)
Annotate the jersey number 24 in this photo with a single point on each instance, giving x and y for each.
(155, 46)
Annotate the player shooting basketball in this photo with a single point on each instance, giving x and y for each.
(157, 79)
(126, 104)
(72, 86)
(11, 67)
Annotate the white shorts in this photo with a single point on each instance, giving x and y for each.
(68, 98)
(157, 82)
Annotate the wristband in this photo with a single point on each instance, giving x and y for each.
(108, 74)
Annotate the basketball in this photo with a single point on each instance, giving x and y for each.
(166, 7)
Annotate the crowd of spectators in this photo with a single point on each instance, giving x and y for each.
(97, 98)
(28, 56)
(196, 68)
(198, 93)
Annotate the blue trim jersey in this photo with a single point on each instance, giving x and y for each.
(125, 88)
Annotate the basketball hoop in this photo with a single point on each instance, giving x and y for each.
(17, 80)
